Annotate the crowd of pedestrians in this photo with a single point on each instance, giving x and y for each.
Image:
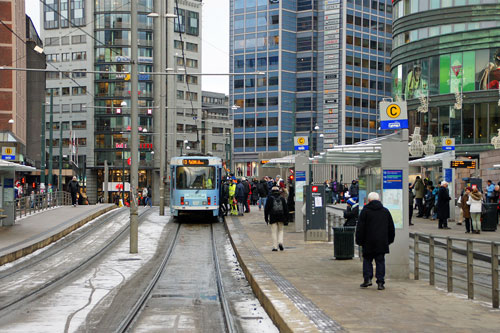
(433, 202)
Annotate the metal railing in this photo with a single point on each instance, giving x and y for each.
(474, 271)
(32, 204)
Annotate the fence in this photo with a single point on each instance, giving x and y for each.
(486, 262)
(31, 204)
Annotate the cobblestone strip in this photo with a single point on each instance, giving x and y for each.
(315, 314)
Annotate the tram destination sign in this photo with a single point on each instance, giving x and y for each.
(194, 162)
(457, 164)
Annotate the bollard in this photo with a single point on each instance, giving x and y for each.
(449, 264)
(416, 259)
(432, 274)
(470, 270)
(330, 224)
(494, 274)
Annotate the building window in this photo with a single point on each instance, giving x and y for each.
(79, 56)
(78, 39)
(191, 79)
(65, 40)
(192, 23)
(78, 12)
(192, 63)
(191, 96)
(65, 91)
(55, 57)
(178, 44)
(52, 75)
(80, 107)
(191, 47)
(179, 24)
(238, 123)
(65, 57)
(65, 107)
(52, 41)
(79, 90)
(79, 73)
(79, 124)
(50, 15)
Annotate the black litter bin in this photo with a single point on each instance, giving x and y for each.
(343, 242)
(490, 217)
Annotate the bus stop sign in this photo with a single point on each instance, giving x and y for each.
(393, 115)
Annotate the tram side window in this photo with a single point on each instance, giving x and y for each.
(195, 178)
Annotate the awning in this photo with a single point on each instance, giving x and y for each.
(281, 162)
(366, 153)
(6, 165)
(431, 160)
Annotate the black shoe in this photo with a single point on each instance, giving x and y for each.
(380, 286)
(411, 224)
(281, 247)
(446, 228)
(366, 284)
(275, 249)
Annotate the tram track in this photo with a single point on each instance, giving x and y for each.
(18, 275)
(154, 293)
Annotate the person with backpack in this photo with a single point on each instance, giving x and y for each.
(247, 191)
(276, 214)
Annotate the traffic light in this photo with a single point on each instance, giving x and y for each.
(291, 178)
(34, 185)
(23, 180)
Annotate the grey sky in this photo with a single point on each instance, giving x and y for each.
(215, 41)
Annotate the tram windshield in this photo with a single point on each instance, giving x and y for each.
(195, 178)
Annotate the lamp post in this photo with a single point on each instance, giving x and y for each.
(51, 134)
(159, 35)
(134, 144)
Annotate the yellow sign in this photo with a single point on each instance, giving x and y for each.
(393, 110)
(301, 141)
(8, 151)
(448, 142)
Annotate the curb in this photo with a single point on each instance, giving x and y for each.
(9, 257)
(289, 319)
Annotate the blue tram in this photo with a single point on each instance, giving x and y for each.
(195, 185)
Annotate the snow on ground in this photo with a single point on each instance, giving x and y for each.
(39, 251)
(65, 309)
(253, 316)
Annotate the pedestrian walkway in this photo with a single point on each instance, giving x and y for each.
(305, 290)
(36, 231)
(430, 227)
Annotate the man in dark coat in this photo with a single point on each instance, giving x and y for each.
(443, 206)
(351, 213)
(276, 214)
(247, 189)
(263, 191)
(354, 189)
(375, 231)
(240, 197)
(73, 188)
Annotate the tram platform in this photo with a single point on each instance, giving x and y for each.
(305, 290)
(34, 232)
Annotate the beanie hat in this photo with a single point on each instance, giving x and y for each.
(351, 202)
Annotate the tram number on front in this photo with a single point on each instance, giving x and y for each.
(195, 162)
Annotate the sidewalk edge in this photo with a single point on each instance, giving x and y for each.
(9, 257)
(263, 293)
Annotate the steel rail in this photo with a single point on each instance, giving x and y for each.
(228, 318)
(136, 309)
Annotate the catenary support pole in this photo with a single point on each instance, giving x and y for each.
(134, 142)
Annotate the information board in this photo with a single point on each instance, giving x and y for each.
(457, 164)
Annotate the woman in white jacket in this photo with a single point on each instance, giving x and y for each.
(476, 203)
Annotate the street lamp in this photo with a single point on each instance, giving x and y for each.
(183, 143)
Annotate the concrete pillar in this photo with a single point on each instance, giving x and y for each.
(301, 179)
(451, 184)
(395, 157)
(92, 186)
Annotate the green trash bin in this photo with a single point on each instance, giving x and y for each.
(343, 242)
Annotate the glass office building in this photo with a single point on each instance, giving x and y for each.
(447, 53)
(325, 63)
